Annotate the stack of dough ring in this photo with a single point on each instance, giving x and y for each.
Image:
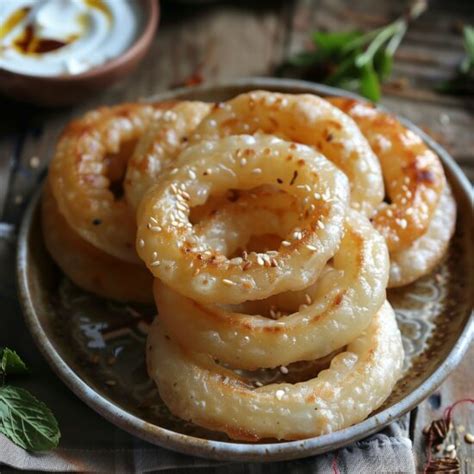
(226, 311)
(267, 228)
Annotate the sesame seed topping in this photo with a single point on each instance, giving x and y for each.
(257, 171)
(243, 161)
(285, 243)
(228, 282)
(258, 383)
(156, 263)
(321, 224)
(307, 298)
(317, 196)
(141, 243)
(260, 261)
(284, 370)
(279, 394)
(192, 174)
(155, 228)
(311, 247)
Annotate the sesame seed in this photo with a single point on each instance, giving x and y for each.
(307, 298)
(402, 223)
(141, 243)
(185, 195)
(311, 247)
(228, 282)
(317, 196)
(192, 174)
(154, 255)
(258, 384)
(283, 369)
(243, 162)
(237, 261)
(260, 261)
(155, 228)
(34, 162)
(285, 243)
(321, 224)
(156, 263)
(257, 171)
(469, 438)
(450, 448)
(274, 263)
(279, 394)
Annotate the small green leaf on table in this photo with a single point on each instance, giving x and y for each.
(26, 421)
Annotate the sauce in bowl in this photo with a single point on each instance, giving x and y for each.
(61, 37)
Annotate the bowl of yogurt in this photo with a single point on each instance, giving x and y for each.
(58, 52)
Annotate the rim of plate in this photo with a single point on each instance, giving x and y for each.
(227, 450)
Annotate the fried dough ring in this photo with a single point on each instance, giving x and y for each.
(160, 145)
(425, 253)
(87, 266)
(413, 174)
(170, 247)
(359, 380)
(341, 305)
(88, 150)
(309, 120)
(230, 225)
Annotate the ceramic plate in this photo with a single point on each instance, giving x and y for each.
(97, 347)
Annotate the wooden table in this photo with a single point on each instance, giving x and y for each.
(223, 40)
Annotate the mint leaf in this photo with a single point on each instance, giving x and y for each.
(11, 363)
(26, 421)
(334, 42)
(369, 83)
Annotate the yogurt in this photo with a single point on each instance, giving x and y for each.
(57, 37)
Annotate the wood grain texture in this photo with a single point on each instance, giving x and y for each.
(428, 55)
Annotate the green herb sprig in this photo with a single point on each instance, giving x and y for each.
(24, 419)
(357, 61)
(463, 82)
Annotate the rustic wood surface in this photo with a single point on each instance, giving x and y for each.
(214, 41)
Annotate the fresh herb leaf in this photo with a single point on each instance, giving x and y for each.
(463, 82)
(11, 363)
(355, 60)
(468, 63)
(331, 43)
(26, 421)
(369, 84)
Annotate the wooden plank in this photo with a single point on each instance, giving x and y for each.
(429, 53)
(215, 42)
(420, 65)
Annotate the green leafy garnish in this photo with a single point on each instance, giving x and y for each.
(354, 60)
(463, 82)
(24, 419)
(11, 363)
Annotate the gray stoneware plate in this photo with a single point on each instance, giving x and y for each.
(97, 347)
